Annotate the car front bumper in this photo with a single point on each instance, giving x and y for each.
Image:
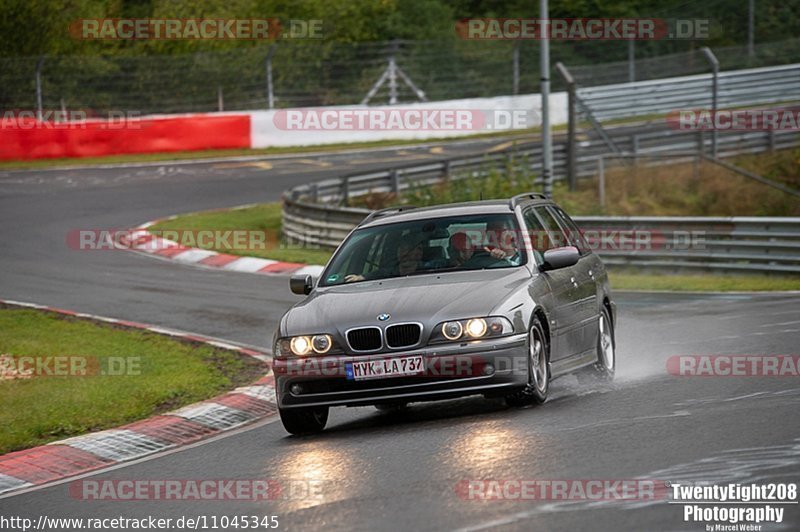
(492, 366)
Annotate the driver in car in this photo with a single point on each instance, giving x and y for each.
(500, 249)
(460, 249)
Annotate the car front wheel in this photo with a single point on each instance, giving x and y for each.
(538, 372)
(301, 421)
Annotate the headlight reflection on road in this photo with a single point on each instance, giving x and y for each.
(311, 477)
(491, 445)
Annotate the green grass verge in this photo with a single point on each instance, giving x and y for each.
(265, 217)
(171, 374)
(702, 282)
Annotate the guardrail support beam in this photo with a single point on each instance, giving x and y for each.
(572, 177)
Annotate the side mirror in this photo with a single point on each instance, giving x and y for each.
(558, 258)
(301, 284)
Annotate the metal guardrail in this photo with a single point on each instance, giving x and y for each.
(656, 140)
(745, 244)
(757, 86)
(317, 214)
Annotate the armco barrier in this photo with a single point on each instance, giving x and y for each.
(757, 86)
(315, 214)
(745, 244)
(656, 141)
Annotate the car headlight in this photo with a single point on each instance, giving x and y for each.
(476, 327)
(305, 345)
(452, 330)
(300, 345)
(321, 343)
(471, 329)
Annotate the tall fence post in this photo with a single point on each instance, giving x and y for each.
(220, 101)
(39, 110)
(270, 96)
(516, 68)
(751, 30)
(572, 177)
(631, 61)
(714, 91)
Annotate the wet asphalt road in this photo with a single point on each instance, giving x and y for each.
(377, 471)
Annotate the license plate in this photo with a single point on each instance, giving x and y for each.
(383, 368)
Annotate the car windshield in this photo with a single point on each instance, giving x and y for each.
(433, 245)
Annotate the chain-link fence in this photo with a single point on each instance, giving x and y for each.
(326, 73)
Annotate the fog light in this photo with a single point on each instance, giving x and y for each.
(488, 369)
(296, 389)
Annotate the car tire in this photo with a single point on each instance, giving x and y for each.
(535, 392)
(603, 369)
(302, 421)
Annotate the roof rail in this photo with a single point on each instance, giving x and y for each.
(513, 202)
(383, 212)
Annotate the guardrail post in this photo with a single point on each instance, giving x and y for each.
(394, 180)
(572, 177)
(446, 170)
(714, 90)
(771, 139)
(345, 191)
(601, 172)
(314, 192)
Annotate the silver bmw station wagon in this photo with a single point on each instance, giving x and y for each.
(491, 297)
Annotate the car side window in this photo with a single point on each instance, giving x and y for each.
(574, 235)
(554, 236)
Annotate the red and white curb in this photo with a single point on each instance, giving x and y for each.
(81, 454)
(141, 240)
